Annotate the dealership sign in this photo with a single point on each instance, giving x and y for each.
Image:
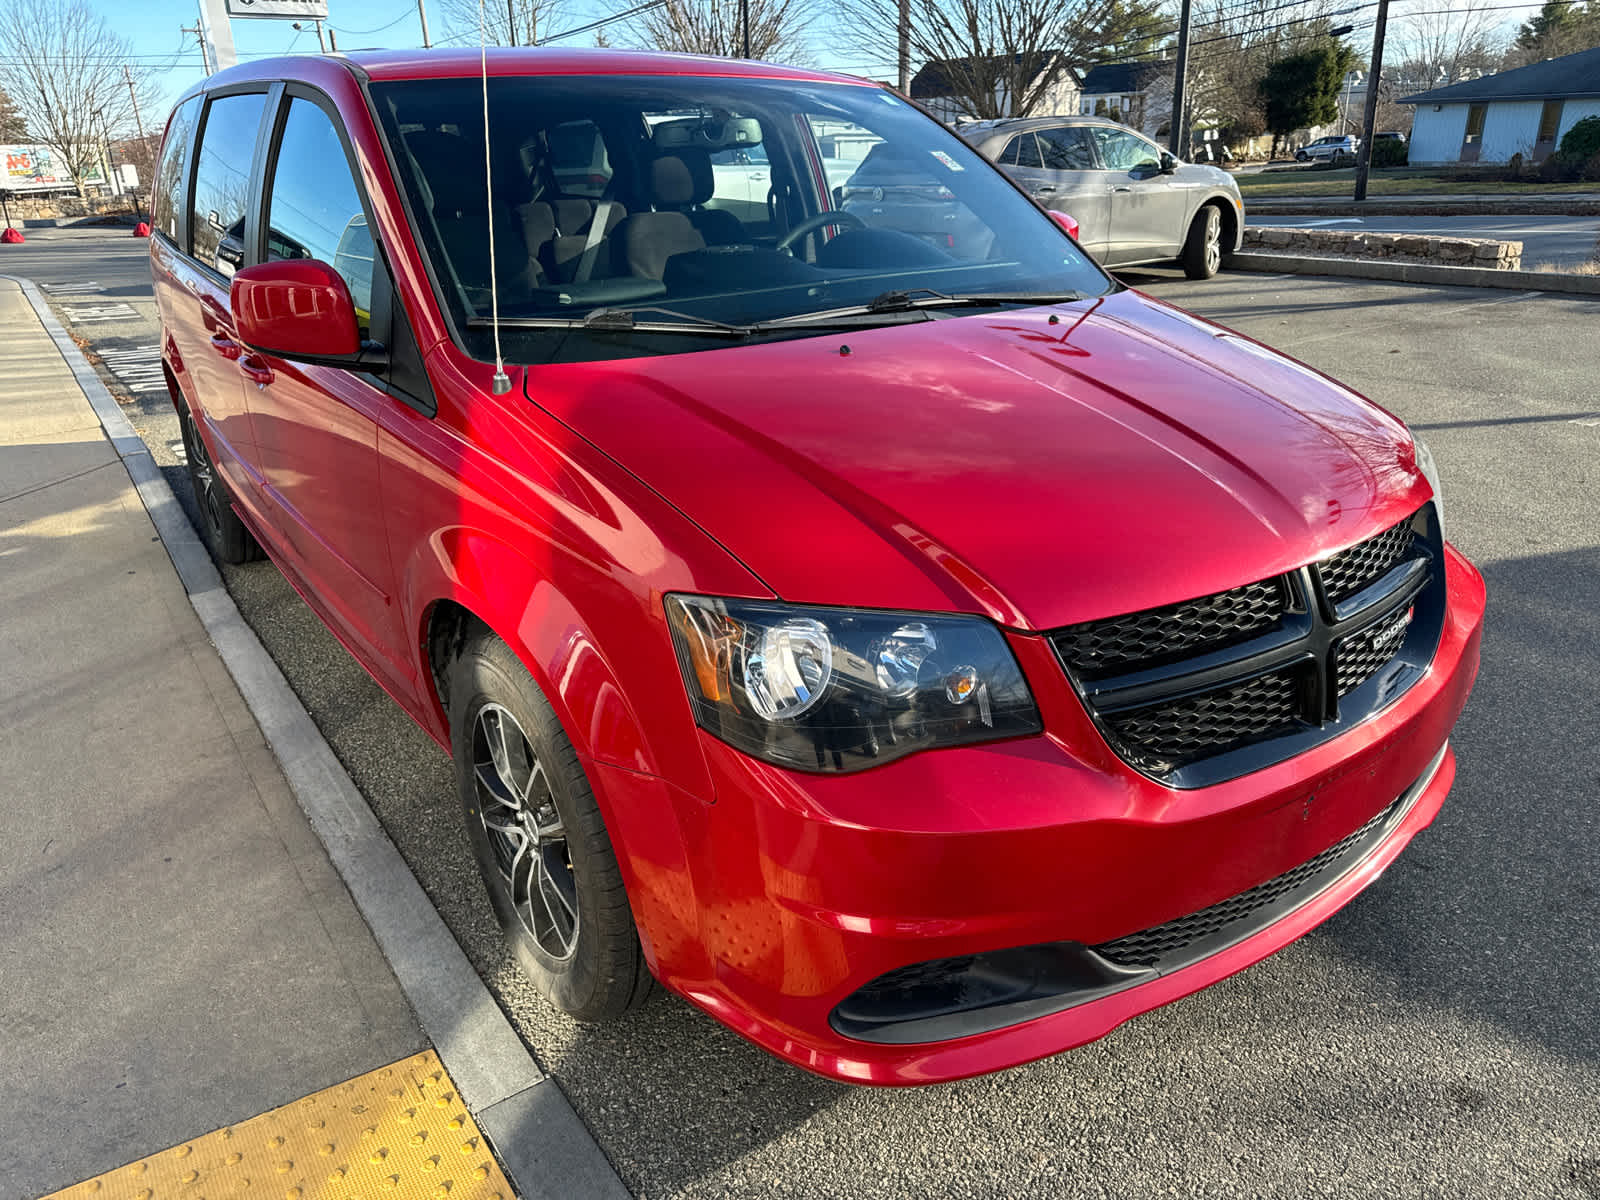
(39, 169)
(280, 10)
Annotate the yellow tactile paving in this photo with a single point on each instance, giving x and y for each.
(397, 1133)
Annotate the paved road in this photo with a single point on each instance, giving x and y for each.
(1564, 241)
(1438, 1038)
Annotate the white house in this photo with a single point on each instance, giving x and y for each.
(1526, 111)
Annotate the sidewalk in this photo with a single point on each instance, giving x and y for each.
(178, 954)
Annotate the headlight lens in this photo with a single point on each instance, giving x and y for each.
(1430, 472)
(834, 689)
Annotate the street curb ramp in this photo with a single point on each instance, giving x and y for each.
(543, 1145)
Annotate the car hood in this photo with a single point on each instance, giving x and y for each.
(1042, 466)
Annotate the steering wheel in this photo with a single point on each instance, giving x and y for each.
(821, 221)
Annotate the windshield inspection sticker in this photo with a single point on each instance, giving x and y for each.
(947, 160)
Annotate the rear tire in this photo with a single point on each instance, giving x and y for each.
(540, 840)
(1202, 250)
(230, 540)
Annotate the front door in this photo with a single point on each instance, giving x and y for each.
(205, 333)
(1146, 209)
(1073, 184)
(317, 427)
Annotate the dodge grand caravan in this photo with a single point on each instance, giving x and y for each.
(923, 655)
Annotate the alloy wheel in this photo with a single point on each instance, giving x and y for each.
(1213, 239)
(525, 830)
(212, 501)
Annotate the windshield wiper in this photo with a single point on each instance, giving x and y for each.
(624, 320)
(901, 301)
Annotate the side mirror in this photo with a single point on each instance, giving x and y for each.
(1169, 162)
(1066, 223)
(298, 309)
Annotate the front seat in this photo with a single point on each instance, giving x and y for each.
(457, 199)
(650, 238)
(719, 228)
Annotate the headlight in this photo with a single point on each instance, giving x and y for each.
(1430, 472)
(837, 689)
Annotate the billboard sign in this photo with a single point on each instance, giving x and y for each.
(40, 169)
(279, 10)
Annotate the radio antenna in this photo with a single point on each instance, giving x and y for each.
(502, 381)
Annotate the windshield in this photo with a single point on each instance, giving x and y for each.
(729, 201)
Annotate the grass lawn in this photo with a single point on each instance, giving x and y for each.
(1398, 181)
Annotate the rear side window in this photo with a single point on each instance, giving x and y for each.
(173, 170)
(222, 180)
(1067, 149)
(1021, 151)
(312, 206)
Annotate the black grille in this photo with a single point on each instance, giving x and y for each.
(1159, 634)
(1347, 572)
(1211, 688)
(1149, 947)
(1361, 656)
(1187, 729)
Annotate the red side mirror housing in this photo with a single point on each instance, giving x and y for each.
(1066, 222)
(296, 308)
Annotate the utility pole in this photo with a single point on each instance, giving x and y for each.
(1176, 130)
(511, 20)
(905, 47)
(333, 40)
(422, 15)
(199, 36)
(1370, 117)
(138, 123)
(744, 25)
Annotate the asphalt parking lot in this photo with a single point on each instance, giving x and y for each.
(1440, 1037)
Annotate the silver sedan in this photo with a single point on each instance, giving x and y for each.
(1134, 202)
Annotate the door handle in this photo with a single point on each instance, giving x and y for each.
(1043, 190)
(225, 345)
(759, 176)
(1123, 188)
(255, 370)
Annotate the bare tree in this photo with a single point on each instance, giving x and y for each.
(1001, 58)
(505, 22)
(1457, 40)
(777, 28)
(62, 66)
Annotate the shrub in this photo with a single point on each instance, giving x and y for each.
(1558, 169)
(1389, 152)
(1582, 141)
(1591, 169)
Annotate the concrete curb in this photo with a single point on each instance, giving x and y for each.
(544, 1146)
(1413, 272)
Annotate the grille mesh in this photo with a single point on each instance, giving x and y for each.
(1158, 634)
(1180, 731)
(1347, 572)
(1149, 946)
(1362, 655)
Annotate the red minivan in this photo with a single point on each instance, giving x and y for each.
(909, 645)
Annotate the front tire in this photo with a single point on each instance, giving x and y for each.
(1202, 250)
(230, 540)
(540, 841)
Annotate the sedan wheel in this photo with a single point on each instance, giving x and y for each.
(230, 540)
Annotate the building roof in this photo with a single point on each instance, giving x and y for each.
(1553, 79)
(933, 81)
(1123, 78)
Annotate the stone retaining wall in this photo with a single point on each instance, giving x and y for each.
(23, 207)
(1410, 247)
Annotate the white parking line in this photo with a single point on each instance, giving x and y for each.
(82, 314)
(72, 289)
(137, 368)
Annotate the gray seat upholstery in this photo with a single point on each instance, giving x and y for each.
(650, 238)
(689, 189)
(567, 248)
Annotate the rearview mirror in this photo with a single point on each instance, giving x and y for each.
(1066, 223)
(297, 309)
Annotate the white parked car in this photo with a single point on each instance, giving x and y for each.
(1335, 149)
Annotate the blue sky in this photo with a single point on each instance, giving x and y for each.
(154, 27)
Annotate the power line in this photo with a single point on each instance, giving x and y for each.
(632, 12)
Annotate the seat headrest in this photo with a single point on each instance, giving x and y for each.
(682, 178)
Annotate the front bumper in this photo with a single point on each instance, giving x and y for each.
(773, 904)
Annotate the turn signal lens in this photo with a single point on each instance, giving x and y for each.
(838, 689)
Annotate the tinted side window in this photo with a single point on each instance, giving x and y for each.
(172, 173)
(1021, 152)
(222, 180)
(312, 206)
(1066, 149)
